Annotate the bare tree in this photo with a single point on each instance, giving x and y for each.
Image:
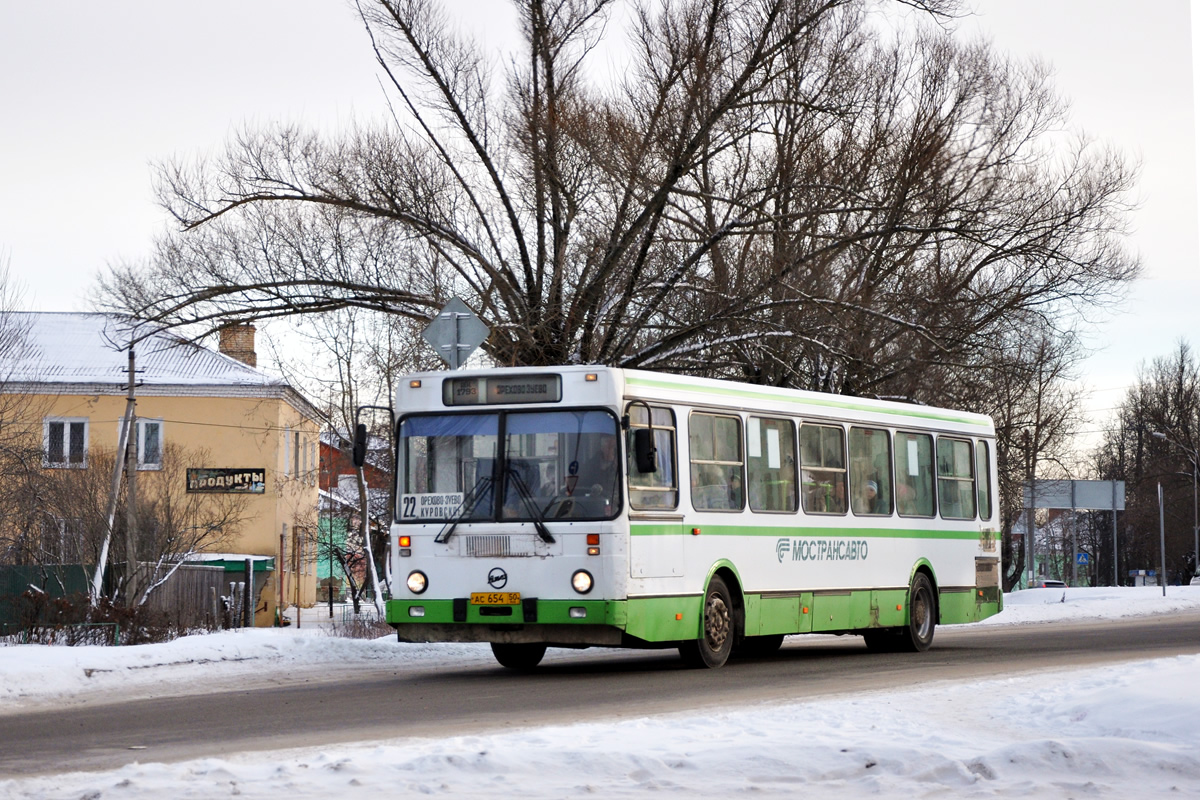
(1037, 411)
(351, 358)
(1165, 399)
(21, 454)
(174, 524)
(346, 547)
(64, 519)
(773, 191)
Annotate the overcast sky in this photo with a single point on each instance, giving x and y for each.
(93, 93)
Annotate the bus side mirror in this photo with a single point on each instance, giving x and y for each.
(645, 454)
(359, 454)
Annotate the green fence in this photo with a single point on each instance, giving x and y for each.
(56, 580)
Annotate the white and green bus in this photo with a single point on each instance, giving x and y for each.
(584, 506)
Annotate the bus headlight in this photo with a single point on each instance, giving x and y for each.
(417, 582)
(582, 581)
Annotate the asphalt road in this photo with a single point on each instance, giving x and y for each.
(311, 708)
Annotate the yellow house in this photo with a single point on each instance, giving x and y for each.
(245, 438)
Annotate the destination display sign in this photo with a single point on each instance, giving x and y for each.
(227, 481)
(494, 391)
(440, 505)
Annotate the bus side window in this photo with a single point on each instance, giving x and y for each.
(657, 490)
(870, 471)
(956, 478)
(983, 479)
(914, 474)
(715, 442)
(823, 465)
(771, 463)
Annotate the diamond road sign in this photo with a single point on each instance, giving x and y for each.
(455, 333)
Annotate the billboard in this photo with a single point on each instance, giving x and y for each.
(1090, 495)
(221, 480)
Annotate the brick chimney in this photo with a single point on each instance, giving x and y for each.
(237, 341)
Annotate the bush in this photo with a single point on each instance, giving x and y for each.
(71, 620)
(364, 626)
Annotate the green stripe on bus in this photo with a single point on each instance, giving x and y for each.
(799, 531)
(843, 405)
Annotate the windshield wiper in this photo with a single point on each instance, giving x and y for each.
(467, 507)
(535, 513)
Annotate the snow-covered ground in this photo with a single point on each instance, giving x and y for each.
(1108, 732)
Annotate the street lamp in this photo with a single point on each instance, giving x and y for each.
(1192, 457)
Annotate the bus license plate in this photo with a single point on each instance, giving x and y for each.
(495, 598)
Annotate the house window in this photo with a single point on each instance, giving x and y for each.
(64, 442)
(149, 442)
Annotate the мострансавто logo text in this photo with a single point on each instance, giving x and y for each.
(821, 549)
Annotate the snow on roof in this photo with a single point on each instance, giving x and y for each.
(93, 348)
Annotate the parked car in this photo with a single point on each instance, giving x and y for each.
(1047, 583)
(1195, 581)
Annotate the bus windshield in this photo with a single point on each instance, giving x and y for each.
(509, 465)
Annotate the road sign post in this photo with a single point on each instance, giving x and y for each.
(455, 333)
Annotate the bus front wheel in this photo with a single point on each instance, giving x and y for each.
(518, 656)
(715, 644)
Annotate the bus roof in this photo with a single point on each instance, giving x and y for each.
(663, 387)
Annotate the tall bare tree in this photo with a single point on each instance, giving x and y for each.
(1165, 399)
(351, 358)
(774, 190)
(20, 431)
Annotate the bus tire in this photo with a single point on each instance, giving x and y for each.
(917, 635)
(521, 657)
(715, 644)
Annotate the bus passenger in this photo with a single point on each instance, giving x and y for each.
(598, 475)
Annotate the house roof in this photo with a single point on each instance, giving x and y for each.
(93, 348)
(74, 353)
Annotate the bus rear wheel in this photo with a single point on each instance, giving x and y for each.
(715, 644)
(518, 656)
(917, 636)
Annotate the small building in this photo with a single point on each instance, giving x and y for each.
(340, 508)
(212, 431)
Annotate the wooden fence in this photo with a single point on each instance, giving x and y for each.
(191, 597)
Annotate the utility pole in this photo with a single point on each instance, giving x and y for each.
(111, 516)
(1162, 541)
(1030, 535)
(131, 453)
